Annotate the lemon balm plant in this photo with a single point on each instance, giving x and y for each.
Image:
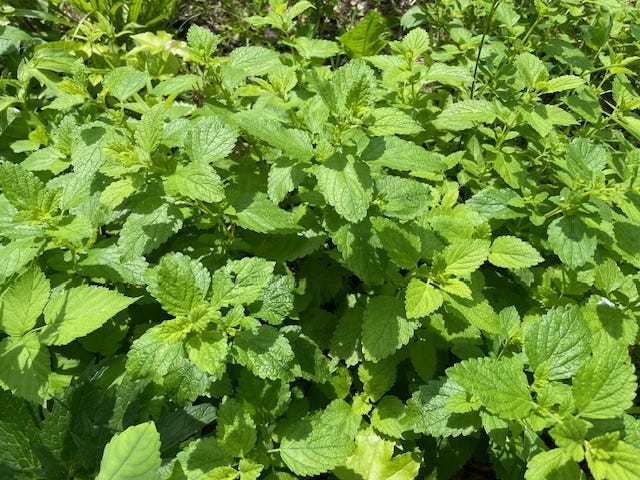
(328, 259)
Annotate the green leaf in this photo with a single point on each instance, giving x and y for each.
(253, 61)
(150, 225)
(403, 198)
(555, 464)
(511, 252)
(241, 281)
(622, 462)
(17, 254)
(22, 188)
(530, 69)
(25, 367)
(122, 82)
(179, 283)
(464, 256)
(391, 121)
(373, 459)
(208, 140)
(402, 245)
(367, 37)
(132, 454)
(292, 142)
(571, 240)
(422, 299)
(500, 385)
(256, 212)
(321, 442)
(605, 384)
(403, 155)
(558, 343)
(347, 186)
(149, 129)
(23, 301)
(315, 48)
(208, 351)
(465, 114)
(385, 328)
(236, 429)
(432, 410)
(196, 181)
(265, 352)
(562, 83)
(79, 311)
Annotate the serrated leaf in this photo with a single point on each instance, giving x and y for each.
(402, 245)
(347, 186)
(315, 48)
(431, 412)
(179, 283)
(622, 462)
(23, 301)
(422, 299)
(559, 342)
(149, 129)
(253, 61)
(373, 459)
(209, 140)
(385, 328)
(500, 385)
(367, 37)
(22, 188)
(319, 443)
(256, 212)
(464, 256)
(562, 83)
(531, 69)
(149, 226)
(196, 181)
(292, 142)
(79, 311)
(122, 82)
(555, 464)
(403, 155)
(16, 254)
(605, 384)
(265, 352)
(132, 455)
(25, 367)
(208, 351)
(391, 121)
(241, 281)
(512, 252)
(571, 240)
(465, 114)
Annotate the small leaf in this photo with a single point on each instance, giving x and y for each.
(511, 252)
(385, 328)
(368, 37)
(23, 301)
(346, 184)
(209, 140)
(422, 299)
(605, 385)
(465, 114)
(465, 256)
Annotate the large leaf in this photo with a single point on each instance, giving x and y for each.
(79, 311)
(321, 442)
(132, 455)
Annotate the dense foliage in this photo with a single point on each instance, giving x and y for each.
(368, 258)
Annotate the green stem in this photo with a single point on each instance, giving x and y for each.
(492, 11)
